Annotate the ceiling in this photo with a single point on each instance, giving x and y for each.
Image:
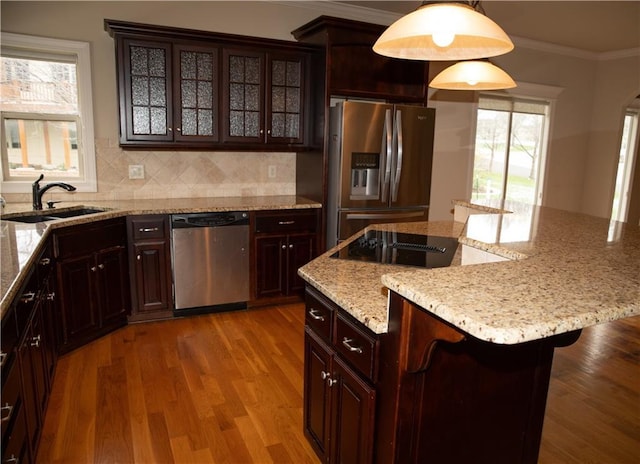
(592, 26)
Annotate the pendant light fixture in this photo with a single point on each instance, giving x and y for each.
(444, 31)
(472, 75)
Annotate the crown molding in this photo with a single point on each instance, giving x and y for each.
(360, 13)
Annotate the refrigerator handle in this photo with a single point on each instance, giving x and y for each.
(387, 215)
(398, 139)
(386, 152)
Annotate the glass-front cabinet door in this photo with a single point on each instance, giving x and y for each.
(284, 105)
(196, 109)
(146, 110)
(243, 75)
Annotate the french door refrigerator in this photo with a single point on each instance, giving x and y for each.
(380, 158)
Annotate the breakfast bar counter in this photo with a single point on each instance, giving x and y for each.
(535, 272)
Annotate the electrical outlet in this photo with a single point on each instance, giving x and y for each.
(272, 171)
(136, 171)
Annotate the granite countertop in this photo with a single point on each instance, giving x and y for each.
(557, 272)
(20, 243)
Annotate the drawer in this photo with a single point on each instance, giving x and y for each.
(10, 404)
(86, 239)
(148, 227)
(356, 346)
(318, 316)
(286, 221)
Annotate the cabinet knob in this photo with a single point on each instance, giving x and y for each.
(12, 460)
(35, 341)
(284, 247)
(51, 296)
(331, 382)
(178, 129)
(291, 245)
(139, 257)
(94, 269)
(324, 375)
(100, 266)
(7, 409)
(45, 261)
(3, 358)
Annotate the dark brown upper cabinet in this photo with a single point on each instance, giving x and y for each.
(169, 93)
(182, 88)
(264, 96)
(353, 69)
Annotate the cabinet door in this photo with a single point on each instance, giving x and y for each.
(112, 279)
(270, 253)
(300, 250)
(152, 283)
(317, 394)
(285, 99)
(353, 421)
(196, 107)
(32, 368)
(77, 298)
(243, 87)
(145, 76)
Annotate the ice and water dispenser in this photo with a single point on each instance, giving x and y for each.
(365, 176)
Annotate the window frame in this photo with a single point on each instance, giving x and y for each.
(524, 91)
(27, 45)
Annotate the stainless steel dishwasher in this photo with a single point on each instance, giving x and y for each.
(210, 253)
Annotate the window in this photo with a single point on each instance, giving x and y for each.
(46, 113)
(510, 145)
(626, 162)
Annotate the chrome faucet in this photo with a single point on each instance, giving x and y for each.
(38, 192)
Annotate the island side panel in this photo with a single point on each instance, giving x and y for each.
(459, 399)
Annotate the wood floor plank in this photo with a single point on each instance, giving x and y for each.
(227, 388)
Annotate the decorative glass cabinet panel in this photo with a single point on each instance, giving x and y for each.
(198, 106)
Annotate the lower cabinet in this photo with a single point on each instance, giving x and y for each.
(339, 401)
(93, 280)
(28, 363)
(150, 267)
(283, 241)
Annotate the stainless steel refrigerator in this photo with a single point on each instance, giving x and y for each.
(380, 158)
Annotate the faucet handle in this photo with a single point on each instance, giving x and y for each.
(51, 203)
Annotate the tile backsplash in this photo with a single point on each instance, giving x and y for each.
(185, 174)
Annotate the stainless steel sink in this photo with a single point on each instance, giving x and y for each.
(50, 215)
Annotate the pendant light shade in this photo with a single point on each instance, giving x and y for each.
(472, 75)
(443, 32)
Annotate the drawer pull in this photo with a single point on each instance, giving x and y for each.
(7, 410)
(28, 297)
(12, 460)
(315, 314)
(45, 261)
(150, 229)
(346, 342)
(286, 223)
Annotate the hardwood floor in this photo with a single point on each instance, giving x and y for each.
(227, 388)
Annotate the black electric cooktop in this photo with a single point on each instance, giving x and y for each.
(386, 247)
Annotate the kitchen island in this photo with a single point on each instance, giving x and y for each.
(464, 352)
